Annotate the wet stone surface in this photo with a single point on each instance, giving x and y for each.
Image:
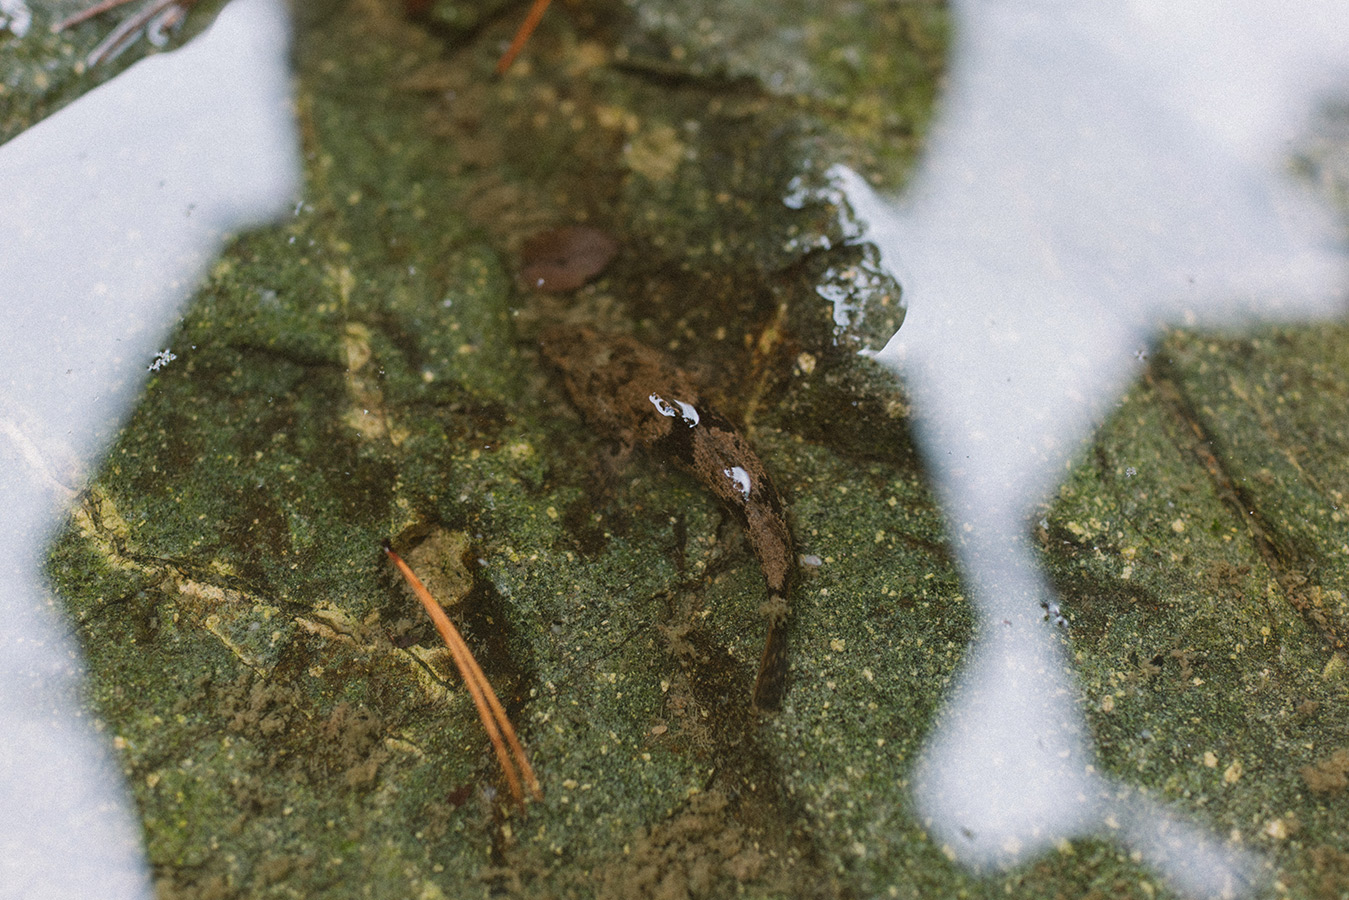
(290, 725)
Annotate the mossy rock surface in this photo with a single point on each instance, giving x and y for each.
(368, 369)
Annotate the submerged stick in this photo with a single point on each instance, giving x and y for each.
(490, 710)
(85, 15)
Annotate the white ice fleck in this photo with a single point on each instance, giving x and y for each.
(741, 479)
(162, 359)
(15, 16)
(673, 408)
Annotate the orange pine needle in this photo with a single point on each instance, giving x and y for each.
(532, 20)
(484, 698)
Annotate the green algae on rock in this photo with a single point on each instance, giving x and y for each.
(289, 729)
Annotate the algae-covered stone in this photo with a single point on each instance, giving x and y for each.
(289, 722)
(358, 371)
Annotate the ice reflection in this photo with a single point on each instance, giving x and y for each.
(110, 210)
(1099, 169)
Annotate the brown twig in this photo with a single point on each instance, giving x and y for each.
(532, 19)
(154, 18)
(85, 15)
(484, 698)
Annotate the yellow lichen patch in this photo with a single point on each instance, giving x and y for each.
(333, 624)
(587, 55)
(366, 415)
(233, 617)
(440, 563)
(1329, 775)
(655, 153)
(433, 668)
(216, 626)
(616, 118)
(1277, 829)
(99, 522)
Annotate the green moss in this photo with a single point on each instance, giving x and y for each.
(863, 76)
(366, 370)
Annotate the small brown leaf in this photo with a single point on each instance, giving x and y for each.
(563, 259)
